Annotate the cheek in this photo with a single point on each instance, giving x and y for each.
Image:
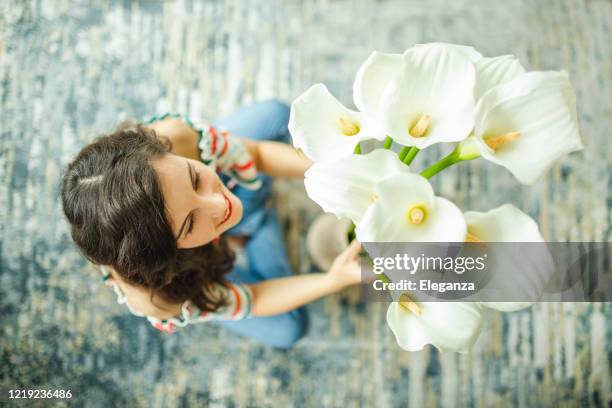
(206, 233)
(208, 229)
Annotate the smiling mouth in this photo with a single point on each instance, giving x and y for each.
(228, 211)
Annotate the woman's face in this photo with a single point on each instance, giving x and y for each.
(198, 212)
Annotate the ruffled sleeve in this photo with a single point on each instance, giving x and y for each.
(226, 153)
(108, 280)
(238, 307)
(222, 151)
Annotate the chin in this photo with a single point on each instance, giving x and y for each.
(236, 212)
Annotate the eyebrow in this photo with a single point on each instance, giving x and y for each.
(187, 217)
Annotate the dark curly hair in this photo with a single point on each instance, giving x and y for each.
(111, 197)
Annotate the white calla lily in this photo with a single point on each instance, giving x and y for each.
(372, 79)
(466, 50)
(495, 71)
(406, 209)
(449, 326)
(432, 98)
(346, 187)
(530, 268)
(528, 123)
(380, 68)
(325, 129)
(505, 223)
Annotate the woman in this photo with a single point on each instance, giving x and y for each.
(175, 214)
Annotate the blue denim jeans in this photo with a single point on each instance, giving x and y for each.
(266, 254)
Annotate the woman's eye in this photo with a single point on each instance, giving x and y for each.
(191, 222)
(197, 180)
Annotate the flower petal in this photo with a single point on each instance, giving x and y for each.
(466, 50)
(345, 187)
(372, 78)
(491, 72)
(539, 105)
(507, 306)
(449, 326)
(503, 224)
(386, 220)
(435, 80)
(315, 125)
(528, 267)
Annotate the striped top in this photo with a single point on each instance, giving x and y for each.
(239, 306)
(221, 151)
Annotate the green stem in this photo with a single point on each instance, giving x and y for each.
(402, 154)
(409, 157)
(466, 150)
(358, 148)
(437, 167)
(350, 232)
(388, 142)
(384, 278)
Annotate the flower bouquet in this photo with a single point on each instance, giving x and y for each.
(491, 107)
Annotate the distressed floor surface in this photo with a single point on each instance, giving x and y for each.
(70, 70)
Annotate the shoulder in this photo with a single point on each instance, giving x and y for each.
(184, 137)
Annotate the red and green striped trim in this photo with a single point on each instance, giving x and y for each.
(243, 180)
(248, 299)
(243, 167)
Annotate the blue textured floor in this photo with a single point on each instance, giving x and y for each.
(70, 70)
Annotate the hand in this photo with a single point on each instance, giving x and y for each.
(346, 268)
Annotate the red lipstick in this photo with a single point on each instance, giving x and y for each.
(229, 210)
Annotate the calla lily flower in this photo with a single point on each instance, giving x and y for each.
(372, 79)
(491, 72)
(449, 326)
(530, 268)
(505, 223)
(325, 129)
(466, 50)
(380, 68)
(346, 187)
(405, 209)
(432, 98)
(526, 124)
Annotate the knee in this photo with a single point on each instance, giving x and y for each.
(277, 108)
(279, 112)
(296, 328)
